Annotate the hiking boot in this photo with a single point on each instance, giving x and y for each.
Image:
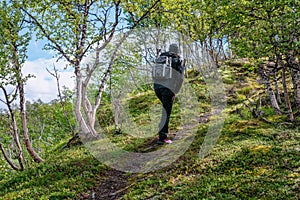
(165, 141)
(168, 141)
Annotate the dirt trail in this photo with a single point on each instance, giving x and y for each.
(113, 184)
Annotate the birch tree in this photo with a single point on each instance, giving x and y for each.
(272, 33)
(260, 30)
(13, 43)
(75, 29)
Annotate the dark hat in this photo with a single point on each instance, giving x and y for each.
(173, 48)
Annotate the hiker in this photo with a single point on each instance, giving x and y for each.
(167, 76)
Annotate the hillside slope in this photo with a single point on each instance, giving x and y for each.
(252, 159)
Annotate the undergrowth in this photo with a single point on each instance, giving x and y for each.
(251, 160)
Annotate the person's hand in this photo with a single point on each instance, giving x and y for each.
(174, 97)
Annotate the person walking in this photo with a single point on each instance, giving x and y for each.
(168, 78)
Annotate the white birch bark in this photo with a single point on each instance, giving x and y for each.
(269, 90)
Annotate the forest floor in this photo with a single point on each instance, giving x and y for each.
(252, 159)
(114, 184)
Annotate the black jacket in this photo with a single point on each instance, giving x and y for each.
(175, 83)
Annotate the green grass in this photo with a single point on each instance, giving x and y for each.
(251, 160)
(63, 175)
(249, 163)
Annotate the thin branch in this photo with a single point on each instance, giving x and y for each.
(104, 79)
(56, 45)
(7, 159)
(62, 102)
(112, 31)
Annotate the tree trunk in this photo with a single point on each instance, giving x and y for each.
(89, 110)
(17, 141)
(15, 132)
(230, 55)
(285, 90)
(79, 117)
(277, 91)
(269, 89)
(295, 72)
(20, 86)
(28, 144)
(7, 159)
(117, 105)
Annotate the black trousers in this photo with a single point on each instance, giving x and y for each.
(166, 96)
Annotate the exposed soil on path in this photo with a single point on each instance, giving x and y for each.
(113, 184)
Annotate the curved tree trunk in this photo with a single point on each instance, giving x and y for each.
(20, 85)
(269, 90)
(79, 117)
(14, 131)
(17, 141)
(285, 90)
(7, 159)
(277, 90)
(28, 144)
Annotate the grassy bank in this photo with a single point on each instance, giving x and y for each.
(253, 158)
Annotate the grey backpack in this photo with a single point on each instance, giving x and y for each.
(162, 69)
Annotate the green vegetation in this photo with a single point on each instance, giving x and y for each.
(245, 164)
(111, 45)
(252, 159)
(65, 173)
